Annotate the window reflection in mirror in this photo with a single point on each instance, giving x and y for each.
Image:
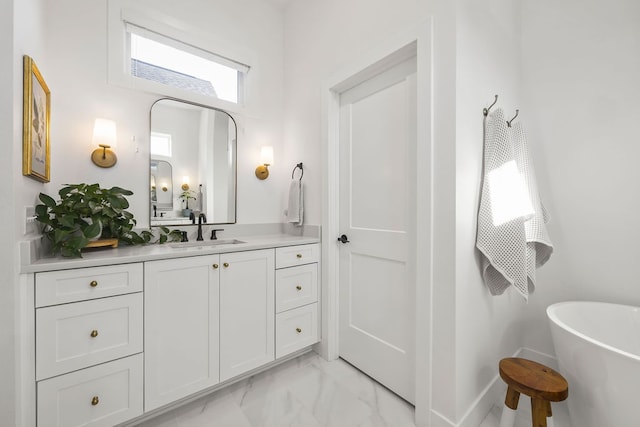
(197, 142)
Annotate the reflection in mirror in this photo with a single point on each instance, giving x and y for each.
(196, 144)
(161, 186)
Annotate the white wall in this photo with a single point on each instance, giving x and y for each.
(488, 63)
(581, 68)
(74, 65)
(7, 251)
(17, 40)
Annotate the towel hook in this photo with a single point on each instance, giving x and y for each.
(485, 111)
(514, 117)
(299, 165)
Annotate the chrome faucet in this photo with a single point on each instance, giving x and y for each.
(201, 218)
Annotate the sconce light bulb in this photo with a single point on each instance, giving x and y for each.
(104, 135)
(266, 158)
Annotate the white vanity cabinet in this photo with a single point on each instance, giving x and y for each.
(296, 298)
(88, 340)
(181, 328)
(115, 342)
(247, 309)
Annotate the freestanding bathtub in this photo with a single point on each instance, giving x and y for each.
(598, 349)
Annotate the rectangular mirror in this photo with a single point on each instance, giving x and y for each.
(192, 166)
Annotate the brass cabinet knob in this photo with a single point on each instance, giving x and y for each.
(298, 287)
(95, 400)
(215, 266)
(298, 330)
(226, 264)
(94, 333)
(93, 284)
(298, 255)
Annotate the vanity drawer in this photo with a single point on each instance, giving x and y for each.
(74, 336)
(296, 286)
(104, 395)
(296, 329)
(58, 287)
(297, 255)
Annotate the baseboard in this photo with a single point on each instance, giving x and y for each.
(439, 420)
(492, 395)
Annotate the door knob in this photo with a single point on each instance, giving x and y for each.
(343, 239)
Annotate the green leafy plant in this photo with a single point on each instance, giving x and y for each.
(186, 195)
(87, 211)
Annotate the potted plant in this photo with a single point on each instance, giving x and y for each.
(87, 211)
(185, 196)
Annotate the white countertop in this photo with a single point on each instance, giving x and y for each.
(139, 253)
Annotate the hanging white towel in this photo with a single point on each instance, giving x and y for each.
(295, 209)
(502, 242)
(539, 247)
(518, 243)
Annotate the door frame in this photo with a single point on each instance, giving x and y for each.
(418, 41)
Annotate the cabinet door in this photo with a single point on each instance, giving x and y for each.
(181, 328)
(247, 311)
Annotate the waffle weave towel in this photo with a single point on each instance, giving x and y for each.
(539, 247)
(511, 249)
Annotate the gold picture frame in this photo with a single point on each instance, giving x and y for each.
(35, 123)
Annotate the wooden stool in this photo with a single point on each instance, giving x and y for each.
(541, 383)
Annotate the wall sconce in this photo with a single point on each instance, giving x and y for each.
(266, 158)
(185, 183)
(164, 186)
(104, 135)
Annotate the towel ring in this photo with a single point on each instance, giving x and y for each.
(299, 165)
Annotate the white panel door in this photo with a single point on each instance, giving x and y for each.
(247, 311)
(377, 198)
(181, 328)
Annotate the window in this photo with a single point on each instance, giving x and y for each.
(165, 56)
(170, 62)
(160, 144)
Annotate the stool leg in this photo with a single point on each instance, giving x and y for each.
(539, 412)
(508, 417)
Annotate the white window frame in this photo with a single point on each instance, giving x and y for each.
(165, 136)
(122, 13)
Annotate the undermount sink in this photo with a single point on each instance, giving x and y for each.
(206, 243)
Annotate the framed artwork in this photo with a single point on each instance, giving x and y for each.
(35, 128)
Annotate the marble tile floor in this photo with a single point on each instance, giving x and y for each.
(523, 416)
(307, 391)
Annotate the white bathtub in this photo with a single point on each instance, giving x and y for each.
(598, 349)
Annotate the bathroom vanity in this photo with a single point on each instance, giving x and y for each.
(125, 332)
